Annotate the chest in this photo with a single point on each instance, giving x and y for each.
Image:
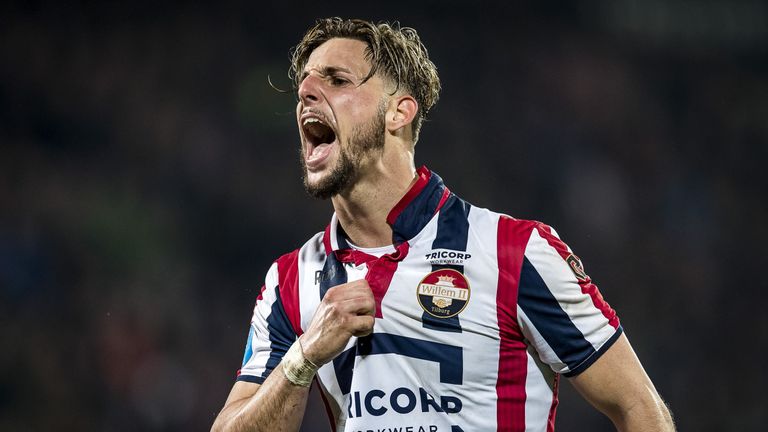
(437, 319)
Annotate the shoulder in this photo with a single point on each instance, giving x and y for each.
(509, 229)
(519, 237)
(283, 276)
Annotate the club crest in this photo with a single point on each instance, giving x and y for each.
(443, 293)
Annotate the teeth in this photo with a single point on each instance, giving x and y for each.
(309, 120)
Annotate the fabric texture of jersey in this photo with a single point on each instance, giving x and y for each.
(477, 316)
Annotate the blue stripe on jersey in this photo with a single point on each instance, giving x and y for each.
(419, 212)
(343, 365)
(341, 238)
(281, 334)
(452, 233)
(251, 379)
(453, 225)
(588, 362)
(449, 357)
(333, 273)
(542, 308)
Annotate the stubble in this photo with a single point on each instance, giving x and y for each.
(365, 140)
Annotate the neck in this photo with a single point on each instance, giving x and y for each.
(362, 210)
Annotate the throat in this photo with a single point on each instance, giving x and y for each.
(365, 230)
(362, 211)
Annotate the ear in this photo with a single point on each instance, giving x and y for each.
(402, 111)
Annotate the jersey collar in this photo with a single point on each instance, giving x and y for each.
(407, 218)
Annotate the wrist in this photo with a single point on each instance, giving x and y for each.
(296, 367)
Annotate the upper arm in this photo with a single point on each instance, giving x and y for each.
(560, 311)
(564, 316)
(617, 385)
(270, 333)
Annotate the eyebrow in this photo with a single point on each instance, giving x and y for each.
(326, 70)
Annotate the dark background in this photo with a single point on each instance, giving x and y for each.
(149, 176)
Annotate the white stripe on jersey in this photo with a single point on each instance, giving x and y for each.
(539, 394)
(579, 306)
(309, 255)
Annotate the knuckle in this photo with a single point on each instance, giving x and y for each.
(344, 321)
(333, 308)
(330, 294)
(369, 306)
(368, 322)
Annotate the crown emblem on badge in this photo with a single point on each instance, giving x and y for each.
(445, 280)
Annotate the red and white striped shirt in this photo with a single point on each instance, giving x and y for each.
(477, 315)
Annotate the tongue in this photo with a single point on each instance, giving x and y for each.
(318, 150)
(319, 154)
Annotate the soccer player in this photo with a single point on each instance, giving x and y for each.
(414, 310)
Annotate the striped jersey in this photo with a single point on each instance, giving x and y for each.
(477, 316)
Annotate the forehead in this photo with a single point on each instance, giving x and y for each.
(340, 53)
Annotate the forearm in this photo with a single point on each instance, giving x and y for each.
(278, 405)
(646, 415)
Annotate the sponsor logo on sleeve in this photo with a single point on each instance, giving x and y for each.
(576, 267)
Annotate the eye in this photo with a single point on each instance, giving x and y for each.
(337, 81)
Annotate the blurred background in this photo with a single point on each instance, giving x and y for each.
(149, 175)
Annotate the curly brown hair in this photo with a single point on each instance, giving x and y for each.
(395, 52)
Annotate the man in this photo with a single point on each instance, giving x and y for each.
(415, 310)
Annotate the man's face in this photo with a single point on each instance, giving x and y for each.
(341, 121)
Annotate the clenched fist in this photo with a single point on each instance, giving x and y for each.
(346, 310)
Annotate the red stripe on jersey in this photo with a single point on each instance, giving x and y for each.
(587, 287)
(443, 199)
(261, 293)
(327, 240)
(288, 278)
(380, 272)
(512, 237)
(422, 179)
(553, 407)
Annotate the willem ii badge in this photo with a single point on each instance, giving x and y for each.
(443, 293)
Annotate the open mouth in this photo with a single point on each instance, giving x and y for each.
(317, 132)
(319, 136)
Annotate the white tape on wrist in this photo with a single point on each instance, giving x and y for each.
(297, 368)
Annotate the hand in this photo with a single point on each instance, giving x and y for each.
(346, 310)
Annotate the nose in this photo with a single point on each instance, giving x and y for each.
(309, 90)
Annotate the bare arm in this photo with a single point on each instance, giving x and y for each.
(617, 385)
(278, 404)
(273, 406)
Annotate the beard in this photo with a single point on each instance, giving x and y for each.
(365, 140)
